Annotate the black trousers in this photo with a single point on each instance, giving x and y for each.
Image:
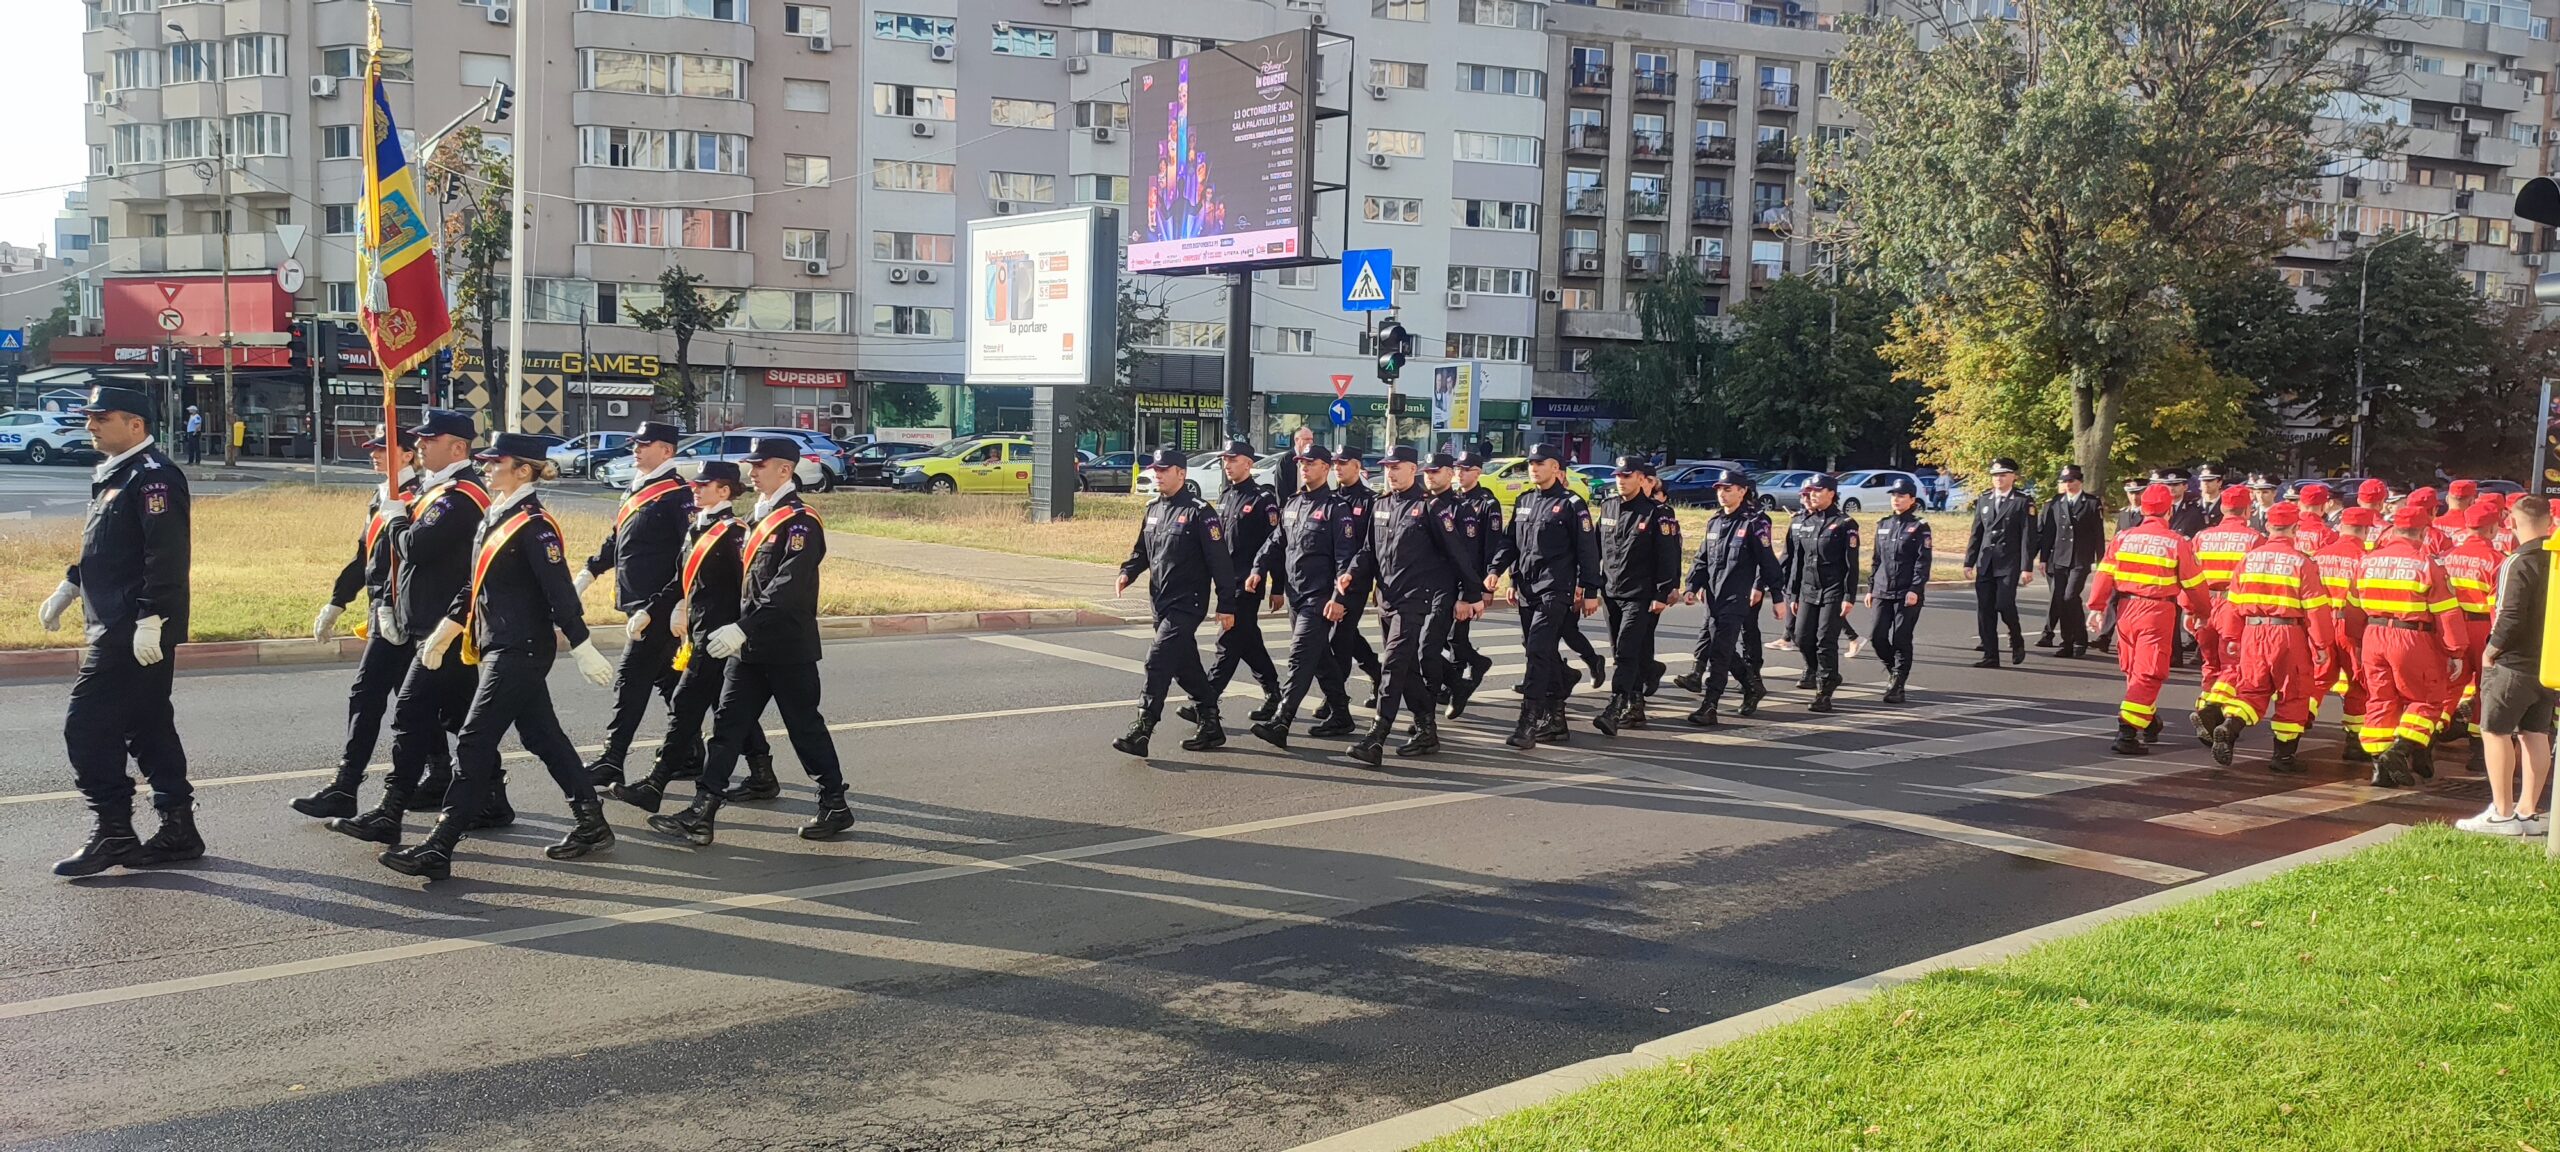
(1632, 624)
(1573, 638)
(1463, 657)
(1313, 661)
(1243, 645)
(195, 448)
(1417, 628)
(1350, 646)
(793, 689)
(1174, 658)
(697, 689)
(1543, 624)
(1725, 638)
(1814, 625)
(431, 703)
(1753, 651)
(120, 707)
(513, 691)
(1995, 603)
(368, 699)
(1894, 621)
(648, 665)
(2068, 611)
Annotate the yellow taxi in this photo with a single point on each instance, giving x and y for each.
(978, 464)
(1508, 477)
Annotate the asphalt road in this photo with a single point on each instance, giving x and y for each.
(1031, 941)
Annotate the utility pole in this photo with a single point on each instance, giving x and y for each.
(587, 370)
(523, 163)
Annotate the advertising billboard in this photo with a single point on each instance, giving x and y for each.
(1454, 390)
(1030, 298)
(1224, 139)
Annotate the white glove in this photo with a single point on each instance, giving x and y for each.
(593, 665)
(677, 619)
(325, 624)
(431, 653)
(146, 642)
(725, 641)
(636, 626)
(383, 497)
(584, 578)
(386, 625)
(51, 614)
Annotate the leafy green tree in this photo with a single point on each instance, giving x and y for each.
(1809, 382)
(1666, 386)
(475, 181)
(905, 405)
(683, 310)
(2426, 344)
(2494, 422)
(2055, 174)
(1104, 408)
(2253, 327)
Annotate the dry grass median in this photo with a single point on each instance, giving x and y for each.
(1103, 528)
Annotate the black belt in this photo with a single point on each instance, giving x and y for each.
(2279, 621)
(2403, 625)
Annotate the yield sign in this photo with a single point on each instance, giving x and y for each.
(1341, 385)
(169, 291)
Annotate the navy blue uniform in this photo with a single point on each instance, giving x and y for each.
(707, 583)
(1734, 561)
(1425, 566)
(134, 553)
(1315, 547)
(1640, 555)
(2002, 542)
(522, 592)
(1250, 512)
(1351, 647)
(385, 662)
(1184, 545)
(778, 611)
(1819, 577)
(1480, 519)
(1903, 553)
(1554, 554)
(431, 542)
(642, 552)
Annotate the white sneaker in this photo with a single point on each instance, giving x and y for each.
(2538, 824)
(2489, 823)
(1851, 651)
(1780, 645)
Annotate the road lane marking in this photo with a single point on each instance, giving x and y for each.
(1941, 746)
(2258, 812)
(2056, 781)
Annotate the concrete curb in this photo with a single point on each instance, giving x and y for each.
(58, 663)
(1413, 1128)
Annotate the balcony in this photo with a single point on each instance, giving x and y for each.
(1711, 268)
(1581, 261)
(1711, 210)
(1644, 265)
(252, 253)
(1716, 149)
(1648, 206)
(1589, 79)
(1648, 146)
(1586, 139)
(1771, 215)
(1586, 202)
(1777, 153)
(1762, 274)
(1779, 96)
(1654, 84)
(1713, 89)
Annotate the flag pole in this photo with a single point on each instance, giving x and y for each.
(372, 255)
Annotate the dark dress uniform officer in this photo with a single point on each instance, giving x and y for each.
(2071, 534)
(773, 650)
(1995, 558)
(706, 600)
(386, 655)
(1817, 579)
(1418, 554)
(1183, 544)
(642, 551)
(1250, 512)
(1554, 558)
(1900, 583)
(1480, 510)
(1315, 547)
(431, 542)
(503, 620)
(1351, 648)
(2189, 515)
(1733, 571)
(1640, 555)
(131, 582)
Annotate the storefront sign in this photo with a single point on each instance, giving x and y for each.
(1569, 408)
(643, 365)
(139, 309)
(1454, 388)
(1195, 403)
(806, 378)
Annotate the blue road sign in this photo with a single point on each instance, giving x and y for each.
(13, 339)
(1341, 413)
(1369, 280)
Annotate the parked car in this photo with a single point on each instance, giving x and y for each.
(978, 464)
(1112, 472)
(580, 454)
(1692, 482)
(33, 437)
(875, 465)
(1782, 491)
(1508, 477)
(830, 455)
(1860, 491)
(1603, 479)
(698, 450)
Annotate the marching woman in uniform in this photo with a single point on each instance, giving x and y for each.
(520, 589)
(386, 653)
(705, 599)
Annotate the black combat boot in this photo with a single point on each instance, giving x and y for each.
(648, 794)
(1426, 738)
(336, 799)
(1463, 690)
(2207, 719)
(1372, 748)
(604, 774)
(697, 823)
(111, 843)
(1693, 680)
(591, 833)
(1753, 691)
(497, 813)
(1335, 720)
(1599, 666)
(2422, 760)
(2355, 752)
(1606, 723)
(1806, 682)
(2129, 741)
(381, 825)
(176, 841)
(687, 765)
(1212, 734)
(1894, 693)
(1270, 704)
(1705, 716)
(1552, 728)
(2017, 649)
(1653, 677)
(1134, 741)
(2285, 759)
(1822, 696)
(2225, 738)
(2391, 767)
(431, 858)
(2151, 734)
(2046, 639)
(1524, 735)
(834, 816)
(759, 786)
(1633, 716)
(428, 794)
(1572, 680)
(1324, 711)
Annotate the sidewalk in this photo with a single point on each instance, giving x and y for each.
(1069, 580)
(265, 471)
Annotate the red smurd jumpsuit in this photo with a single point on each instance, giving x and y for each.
(2286, 634)
(2412, 625)
(2155, 570)
(2338, 562)
(2471, 571)
(2218, 553)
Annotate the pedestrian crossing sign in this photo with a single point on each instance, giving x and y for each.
(1368, 280)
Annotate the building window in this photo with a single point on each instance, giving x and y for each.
(907, 320)
(712, 77)
(348, 63)
(805, 95)
(1390, 210)
(560, 301)
(1415, 10)
(258, 134)
(1578, 299)
(806, 20)
(696, 9)
(1486, 346)
(338, 296)
(1101, 189)
(1126, 45)
(1038, 188)
(652, 150)
(1408, 277)
(783, 310)
(704, 228)
(337, 219)
(1392, 142)
(1491, 281)
(1017, 40)
(1395, 74)
(133, 68)
(1498, 13)
(1102, 114)
(1193, 334)
(1004, 112)
(912, 101)
(195, 62)
(609, 70)
(804, 243)
(191, 139)
(1490, 148)
(1501, 81)
(1293, 341)
(914, 29)
(910, 176)
(482, 69)
(97, 159)
(338, 142)
(1292, 277)
(911, 247)
(804, 171)
(1498, 215)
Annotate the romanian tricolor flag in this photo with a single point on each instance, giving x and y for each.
(403, 309)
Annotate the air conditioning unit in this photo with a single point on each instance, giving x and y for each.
(1586, 261)
(924, 275)
(840, 411)
(1004, 207)
(813, 267)
(1078, 65)
(1377, 159)
(2388, 186)
(919, 129)
(1055, 3)
(1315, 20)
(822, 43)
(944, 53)
(2395, 47)
(1551, 296)
(500, 14)
(324, 87)
(1377, 91)
(897, 275)
(2533, 259)
(617, 408)
(1102, 134)
(2457, 113)
(1457, 300)
(111, 99)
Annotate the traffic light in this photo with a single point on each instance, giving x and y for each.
(2539, 201)
(502, 102)
(1394, 345)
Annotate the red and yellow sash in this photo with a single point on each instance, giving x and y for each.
(490, 545)
(470, 488)
(640, 499)
(702, 549)
(772, 522)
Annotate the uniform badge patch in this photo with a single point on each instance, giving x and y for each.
(1415, 514)
(1671, 528)
(1471, 528)
(551, 550)
(799, 540)
(1213, 532)
(156, 501)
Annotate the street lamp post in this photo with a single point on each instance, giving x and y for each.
(2364, 280)
(223, 407)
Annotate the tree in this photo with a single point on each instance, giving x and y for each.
(2426, 342)
(55, 325)
(1808, 380)
(683, 310)
(2252, 327)
(475, 181)
(2063, 175)
(2489, 421)
(1664, 388)
(905, 405)
(1104, 407)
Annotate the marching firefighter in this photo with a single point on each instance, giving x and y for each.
(1733, 571)
(1640, 560)
(1183, 545)
(2338, 561)
(1553, 555)
(706, 600)
(2288, 642)
(2219, 550)
(2317, 528)
(2153, 571)
(1900, 583)
(385, 658)
(1426, 577)
(642, 551)
(2471, 570)
(1314, 548)
(1815, 582)
(2130, 516)
(2411, 626)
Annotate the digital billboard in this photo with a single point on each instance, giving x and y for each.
(1223, 141)
(1030, 298)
